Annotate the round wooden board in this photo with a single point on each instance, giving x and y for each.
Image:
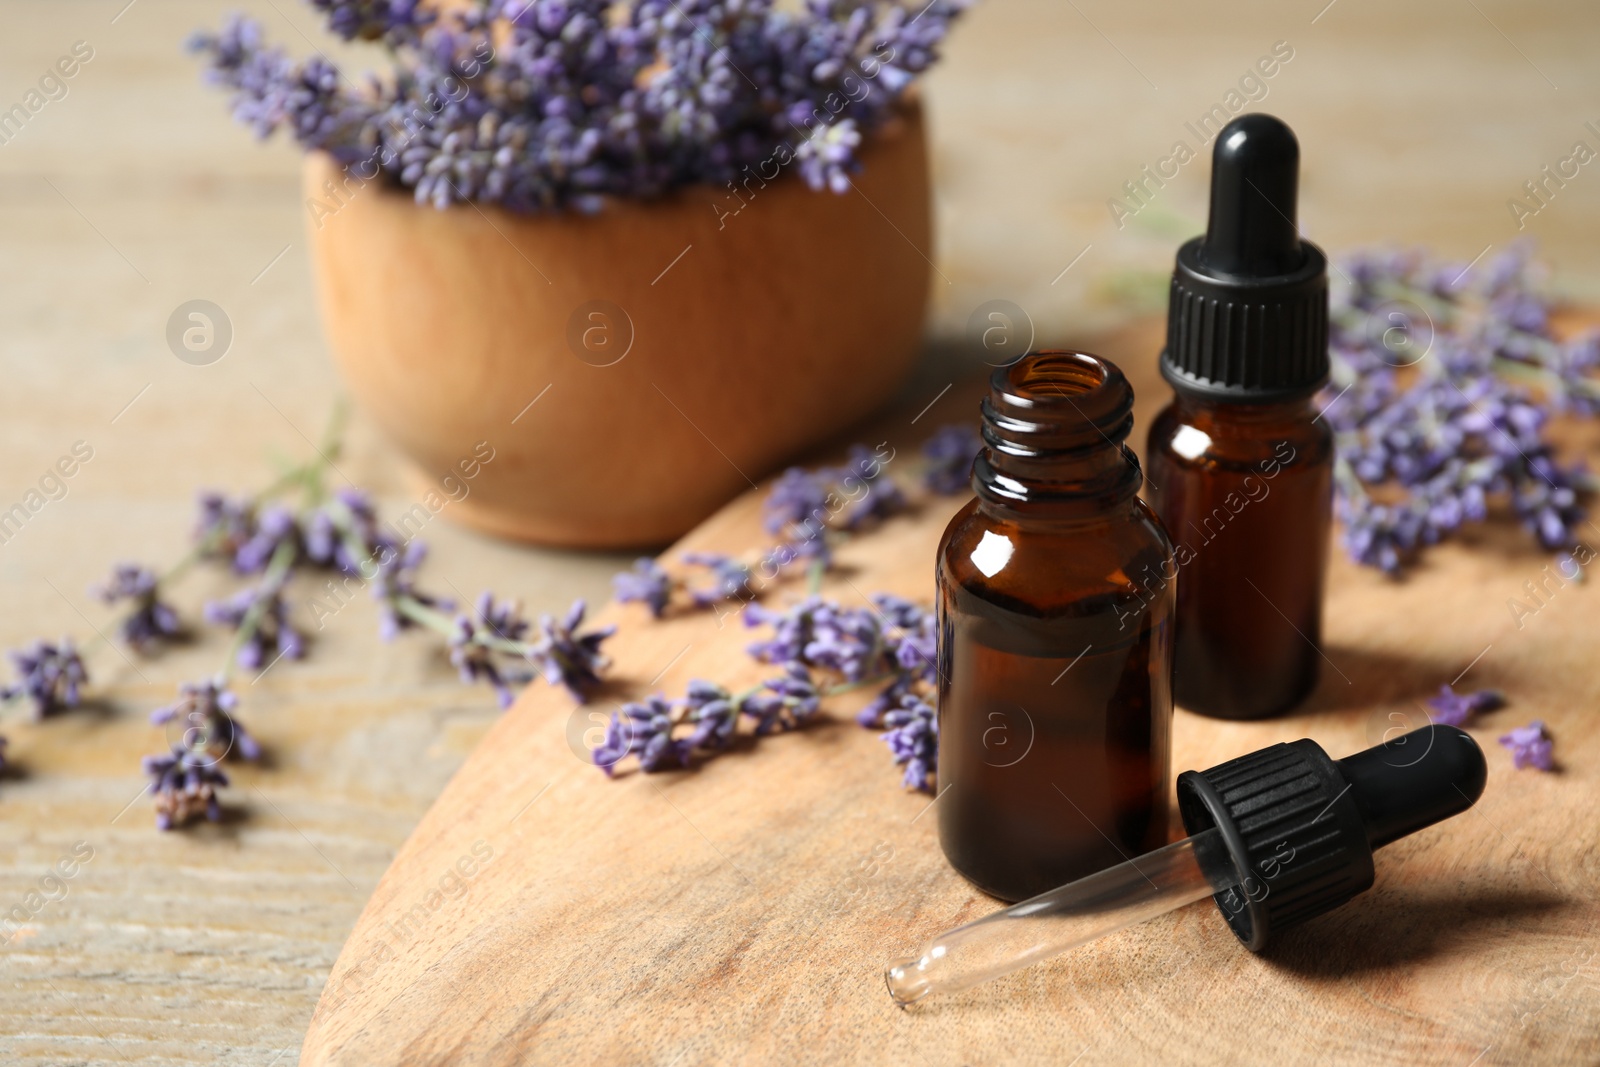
(742, 911)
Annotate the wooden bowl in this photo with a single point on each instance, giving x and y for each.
(628, 372)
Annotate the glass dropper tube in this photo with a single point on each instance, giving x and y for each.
(1064, 918)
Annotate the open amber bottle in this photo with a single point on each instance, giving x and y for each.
(1055, 638)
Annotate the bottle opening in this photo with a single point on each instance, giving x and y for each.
(1053, 376)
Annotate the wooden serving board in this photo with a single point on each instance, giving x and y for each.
(742, 911)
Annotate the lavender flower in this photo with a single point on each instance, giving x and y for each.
(543, 106)
(274, 527)
(913, 738)
(185, 784)
(880, 496)
(205, 709)
(569, 658)
(1530, 746)
(51, 675)
(262, 613)
(787, 702)
(224, 525)
(730, 579)
(395, 581)
(150, 621)
(1453, 709)
(472, 650)
(643, 729)
(710, 708)
(1423, 452)
(798, 500)
(647, 583)
(950, 452)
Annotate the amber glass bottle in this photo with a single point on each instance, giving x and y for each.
(1249, 491)
(1240, 464)
(1055, 638)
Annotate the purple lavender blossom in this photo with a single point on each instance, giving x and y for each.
(1422, 453)
(274, 527)
(471, 647)
(205, 711)
(730, 579)
(396, 580)
(647, 583)
(1453, 709)
(799, 498)
(184, 783)
(569, 658)
(224, 524)
(150, 621)
(643, 729)
(553, 106)
(271, 635)
(1530, 746)
(950, 452)
(913, 738)
(710, 708)
(787, 702)
(51, 675)
(880, 496)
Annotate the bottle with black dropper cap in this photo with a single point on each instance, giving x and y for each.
(1240, 465)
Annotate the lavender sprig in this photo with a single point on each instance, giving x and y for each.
(51, 674)
(184, 783)
(205, 710)
(149, 621)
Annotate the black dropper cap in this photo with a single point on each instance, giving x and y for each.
(1300, 828)
(1248, 316)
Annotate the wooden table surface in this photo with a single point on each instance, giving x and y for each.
(134, 193)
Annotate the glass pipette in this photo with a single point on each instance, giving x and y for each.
(1279, 835)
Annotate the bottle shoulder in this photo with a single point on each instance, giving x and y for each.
(1051, 565)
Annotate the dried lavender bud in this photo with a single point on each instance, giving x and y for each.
(150, 621)
(788, 702)
(205, 710)
(1530, 746)
(569, 658)
(646, 584)
(51, 675)
(1453, 709)
(393, 20)
(798, 500)
(913, 738)
(224, 525)
(271, 635)
(395, 581)
(880, 496)
(710, 708)
(730, 579)
(475, 659)
(643, 729)
(274, 526)
(950, 452)
(185, 784)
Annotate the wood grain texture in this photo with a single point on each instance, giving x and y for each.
(136, 192)
(741, 911)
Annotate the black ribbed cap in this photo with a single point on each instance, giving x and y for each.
(1300, 827)
(1248, 314)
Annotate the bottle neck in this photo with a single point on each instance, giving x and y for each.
(1054, 424)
